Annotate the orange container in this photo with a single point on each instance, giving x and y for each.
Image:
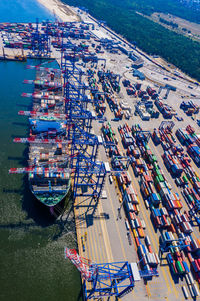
(150, 249)
(137, 242)
(172, 228)
(141, 232)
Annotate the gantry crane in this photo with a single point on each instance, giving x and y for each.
(107, 279)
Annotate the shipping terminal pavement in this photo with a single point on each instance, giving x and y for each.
(100, 226)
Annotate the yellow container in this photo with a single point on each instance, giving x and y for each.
(138, 209)
(141, 232)
(135, 233)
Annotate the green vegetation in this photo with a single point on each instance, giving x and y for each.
(149, 36)
(169, 23)
(173, 7)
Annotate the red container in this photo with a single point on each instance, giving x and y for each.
(190, 257)
(197, 264)
(172, 228)
(150, 249)
(137, 241)
(157, 220)
(174, 265)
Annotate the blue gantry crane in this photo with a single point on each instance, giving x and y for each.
(169, 243)
(120, 163)
(89, 177)
(111, 279)
(89, 174)
(85, 143)
(166, 124)
(107, 279)
(40, 43)
(142, 135)
(195, 212)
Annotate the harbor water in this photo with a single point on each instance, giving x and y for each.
(33, 267)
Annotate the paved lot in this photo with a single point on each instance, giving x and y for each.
(164, 287)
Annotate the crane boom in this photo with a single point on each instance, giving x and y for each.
(40, 170)
(38, 67)
(43, 95)
(41, 114)
(84, 265)
(43, 83)
(38, 141)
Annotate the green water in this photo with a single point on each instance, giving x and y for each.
(32, 243)
(33, 267)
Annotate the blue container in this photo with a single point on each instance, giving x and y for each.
(155, 212)
(187, 270)
(169, 258)
(167, 236)
(144, 248)
(158, 212)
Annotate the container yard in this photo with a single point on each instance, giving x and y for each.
(124, 148)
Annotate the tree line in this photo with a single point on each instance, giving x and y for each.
(151, 37)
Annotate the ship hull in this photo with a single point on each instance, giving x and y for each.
(51, 198)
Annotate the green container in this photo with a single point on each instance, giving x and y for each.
(155, 158)
(158, 172)
(179, 267)
(156, 180)
(190, 198)
(161, 179)
(150, 158)
(173, 270)
(185, 179)
(172, 250)
(156, 166)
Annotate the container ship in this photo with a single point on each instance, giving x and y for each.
(48, 157)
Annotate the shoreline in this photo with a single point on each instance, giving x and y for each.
(60, 10)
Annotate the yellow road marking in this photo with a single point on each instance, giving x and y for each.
(119, 235)
(98, 239)
(182, 198)
(150, 233)
(106, 237)
(94, 243)
(122, 247)
(87, 250)
(153, 238)
(102, 242)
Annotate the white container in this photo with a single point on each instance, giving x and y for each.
(127, 225)
(185, 292)
(147, 240)
(191, 279)
(195, 290)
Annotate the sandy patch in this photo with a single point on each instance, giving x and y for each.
(60, 10)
